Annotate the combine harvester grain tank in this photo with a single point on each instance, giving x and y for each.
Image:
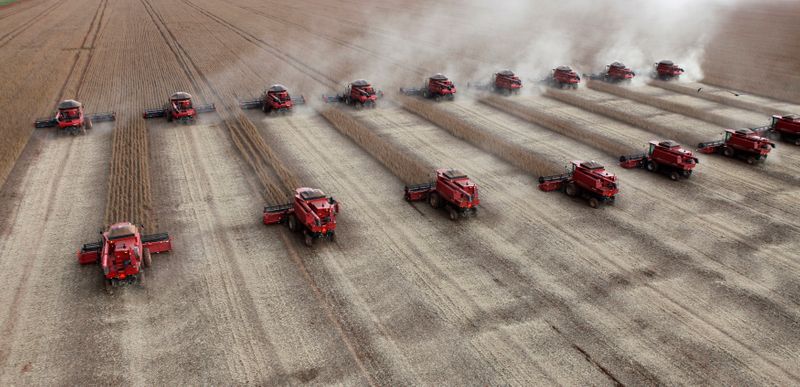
(359, 93)
(667, 157)
(616, 72)
(312, 212)
(563, 77)
(123, 254)
(275, 99)
(745, 144)
(587, 179)
(452, 190)
(786, 127)
(179, 108)
(436, 87)
(667, 70)
(70, 118)
(503, 82)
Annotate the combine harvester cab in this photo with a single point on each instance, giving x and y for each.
(70, 118)
(587, 179)
(667, 70)
(745, 144)
(179, 108)
(564, 77)
(503, 82)
(615, 73)
(276, 99)
(436, 87)
(451, 189)
(312, 211)
(123, 254)
(359, 93)
(787, 127)
(667, 157)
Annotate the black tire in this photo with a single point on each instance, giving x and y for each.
(687, 173)
(147, 258)
(594, 203)
(332, 237)
(89, 124)
(571, 189)
(674, 175)
(435, 200)
(452, 213)
(109, 288)
(751, 160)
(140, 278)
(651, 166)
(292, 223)
(438, 98)
(797, 141)
(474, 211)
(308, 239)
(729, 152)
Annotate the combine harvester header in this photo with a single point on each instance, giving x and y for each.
(70, 118)
(123, 254)
(745, 144)
(503, 82)
(437, 87)
(587, 179)
(452, 189)
(667, 157)
(275, 99)
(179, 108)
(359, 93)
(311, 211)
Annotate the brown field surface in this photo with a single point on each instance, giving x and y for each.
(688, 282)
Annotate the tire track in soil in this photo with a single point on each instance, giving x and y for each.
(332, 39)
(404, 246)
(181, 52)
(554, 124)
(100, 6)
(643, 280)
(252, 320)
(19, 9)
(649, 125)
(269, 48)
(9, 36)
(722, 100)
(13, 312)
(787, 261)
(516, 282)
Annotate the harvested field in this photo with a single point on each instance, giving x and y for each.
(688, 282)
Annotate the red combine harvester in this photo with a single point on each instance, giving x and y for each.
(70, 118)
(787, 127)
(275, 99)
(358, 93)
(179, 108)
(587, 179)
(311, 211)
(663, 156)
(666, 70)
(452, 189)
(123, 253)
(743, 143)
(503, 82)
(436, 87)
(564, 77)
(615, 72)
